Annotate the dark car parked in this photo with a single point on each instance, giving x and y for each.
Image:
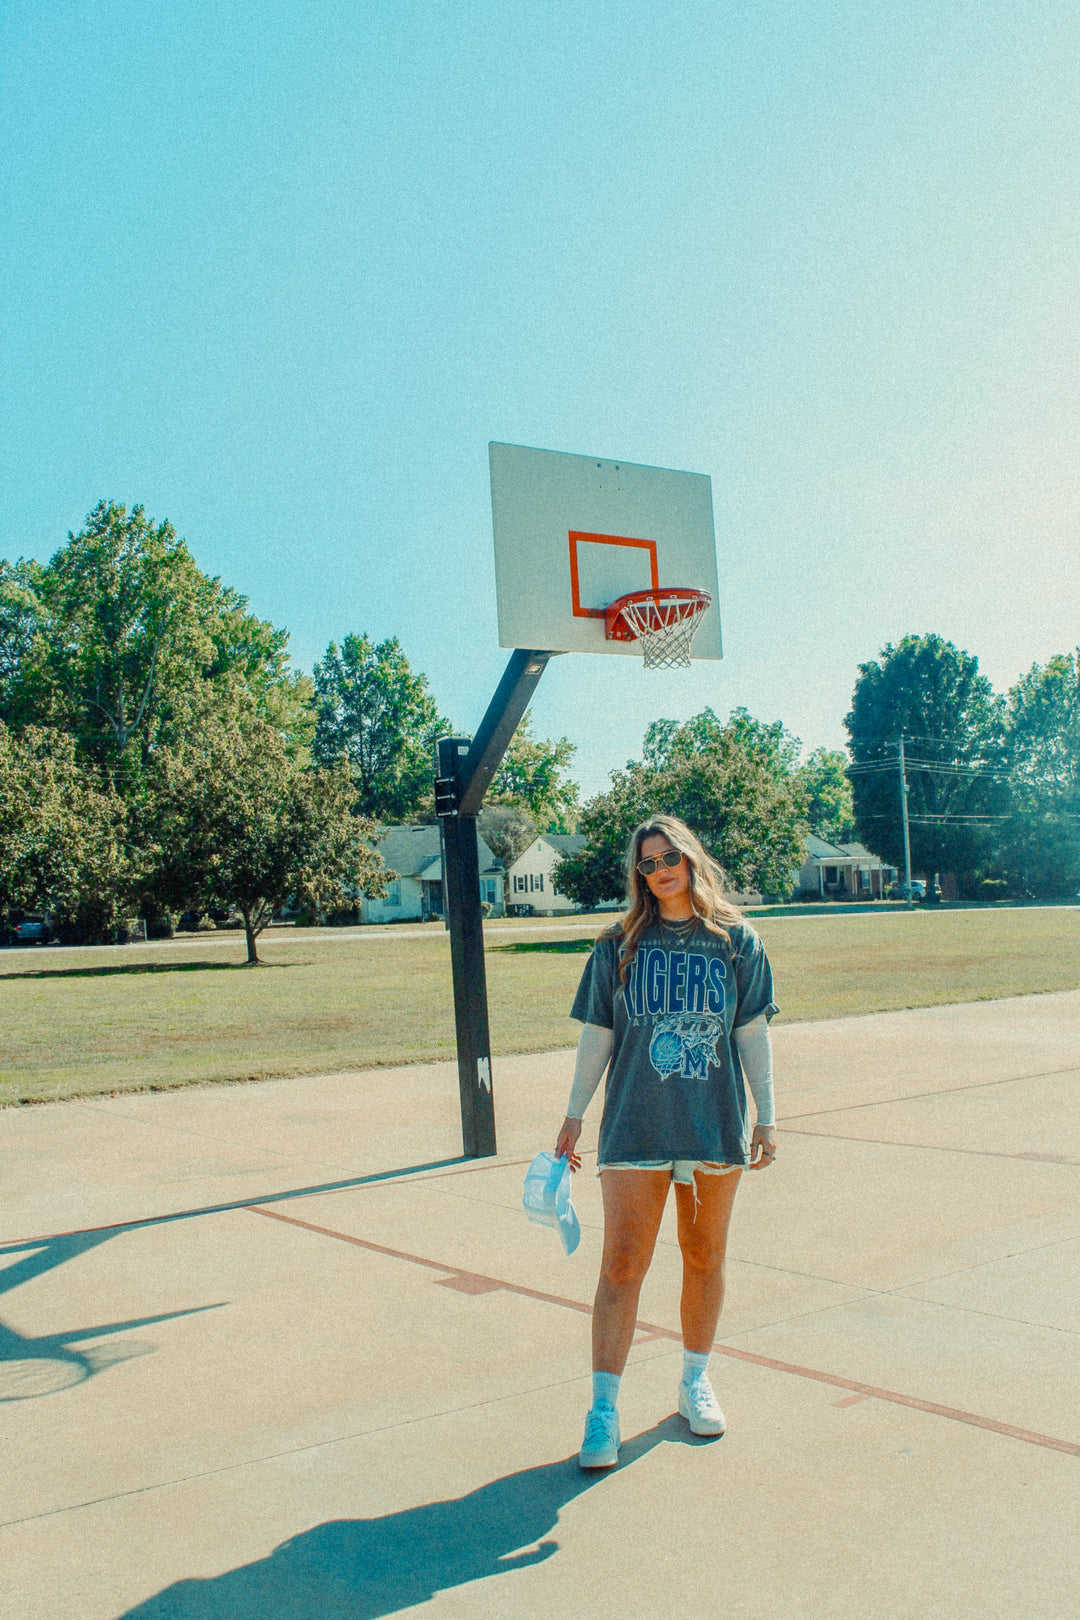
(32, 931)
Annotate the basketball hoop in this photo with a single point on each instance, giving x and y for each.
(663, 621)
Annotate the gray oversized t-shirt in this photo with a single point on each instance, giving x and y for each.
(675, 1086)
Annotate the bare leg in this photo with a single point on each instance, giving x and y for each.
(633, 1204)
(703, 1242)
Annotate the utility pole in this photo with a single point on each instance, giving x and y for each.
(904, 816)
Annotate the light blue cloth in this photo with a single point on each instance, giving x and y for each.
(546, 1197)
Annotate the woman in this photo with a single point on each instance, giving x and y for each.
(676, 1001)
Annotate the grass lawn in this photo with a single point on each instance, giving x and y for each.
(79, 1022)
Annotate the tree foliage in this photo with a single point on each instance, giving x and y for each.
(22, 644)
(830, 809)
(156, 751)
(930, 693)
(771, 741)
(243, 824)
(732, 782)
(1039, 847)
(507, 831)
(381, 719)
(531, 778)
(63, 836)
(121, 641)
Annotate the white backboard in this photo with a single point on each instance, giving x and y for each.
(572, 533)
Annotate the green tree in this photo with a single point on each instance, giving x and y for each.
(122, 641)
(22, 645)
(730, 782)
(242, 823)
(506, 830)
(930, 693)
(380, 718)
(770, 740)
(531, 778)
(830, 809)
(63, 836)
(1039, 845)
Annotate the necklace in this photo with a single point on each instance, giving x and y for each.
(680, 926)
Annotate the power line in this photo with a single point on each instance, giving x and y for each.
(945, 819)
(933, 767)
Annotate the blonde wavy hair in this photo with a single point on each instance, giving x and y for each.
(706, 887)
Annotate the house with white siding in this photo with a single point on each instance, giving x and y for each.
(842, 872)
(530, 887)
(416, 893)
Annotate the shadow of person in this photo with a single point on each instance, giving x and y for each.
(360, 1569)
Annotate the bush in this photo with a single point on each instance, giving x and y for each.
(345, 917)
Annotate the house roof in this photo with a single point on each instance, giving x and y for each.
(561, 843)
(821, 850)
(417, 851)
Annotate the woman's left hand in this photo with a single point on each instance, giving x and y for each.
(762, 1147)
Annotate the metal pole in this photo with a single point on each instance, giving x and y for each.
(464, 769)
(461, 875)
(904, 816)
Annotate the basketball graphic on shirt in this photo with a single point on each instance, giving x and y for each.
(665, 1051)
(684, 1045)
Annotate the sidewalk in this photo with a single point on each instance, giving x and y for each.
(275, 1352)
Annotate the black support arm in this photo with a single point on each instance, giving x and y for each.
(512, 696)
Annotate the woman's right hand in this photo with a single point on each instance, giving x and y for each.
(566, 1142)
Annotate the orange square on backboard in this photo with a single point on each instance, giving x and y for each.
(579, 539)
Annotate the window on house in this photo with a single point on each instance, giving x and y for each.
(393, 892)
(832, 874)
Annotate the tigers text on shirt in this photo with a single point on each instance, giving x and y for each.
(666, 981)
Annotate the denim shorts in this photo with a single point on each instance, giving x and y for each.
(682, 1170)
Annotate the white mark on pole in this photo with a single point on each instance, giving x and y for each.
(483, 1073)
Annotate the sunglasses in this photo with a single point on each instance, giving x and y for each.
(670, 857)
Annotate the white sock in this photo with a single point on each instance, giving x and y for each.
(695, 1364)
(605, 1388)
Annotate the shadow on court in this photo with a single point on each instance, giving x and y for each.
(32, 1367)
(360, 1569)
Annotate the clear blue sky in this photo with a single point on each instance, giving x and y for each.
(280, 271)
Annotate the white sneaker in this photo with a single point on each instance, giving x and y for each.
(600, 1447)
(698, 1404)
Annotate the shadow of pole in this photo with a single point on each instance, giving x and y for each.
(361, 1569)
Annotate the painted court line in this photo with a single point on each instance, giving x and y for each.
(935, 1147)
(922, 1096)
(475, 1282)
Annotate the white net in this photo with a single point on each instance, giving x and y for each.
(664, 625)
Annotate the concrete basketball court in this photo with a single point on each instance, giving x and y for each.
(274, 1351)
